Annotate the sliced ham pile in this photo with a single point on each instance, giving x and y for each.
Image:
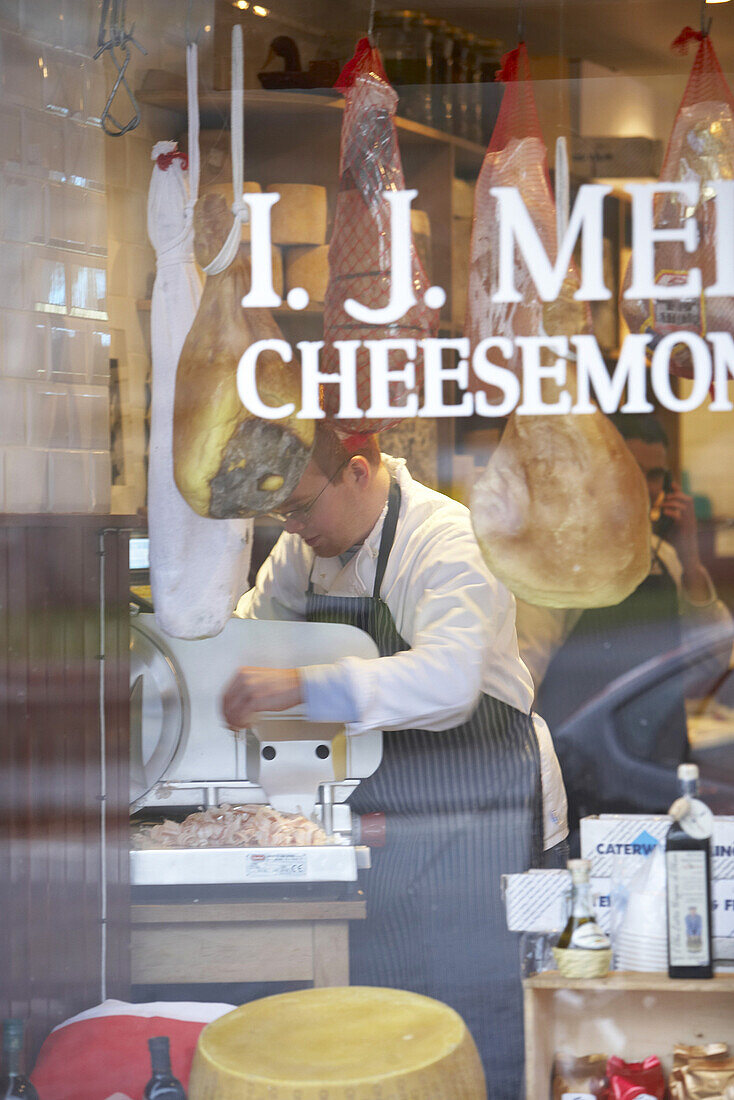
(233, 827)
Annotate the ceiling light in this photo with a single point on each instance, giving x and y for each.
(258, 10)
(241, 4)
(717, 1)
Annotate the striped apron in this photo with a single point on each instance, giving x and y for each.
(463, 806)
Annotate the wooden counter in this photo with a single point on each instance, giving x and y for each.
(627, 1013)
(243, 941)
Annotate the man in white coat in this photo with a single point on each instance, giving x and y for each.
(468, 782)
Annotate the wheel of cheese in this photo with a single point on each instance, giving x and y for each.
(420, 225)
(308, 266)
(462, 199)
(348, 1043)
(299, 216)
(460, 249)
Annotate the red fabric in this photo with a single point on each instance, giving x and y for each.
(165, 160)
(629, 1080)
(518, 115)
(91, 1059)
(366, 57)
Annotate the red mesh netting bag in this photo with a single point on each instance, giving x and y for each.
(359, 254)
(701, 150)
(516, 158)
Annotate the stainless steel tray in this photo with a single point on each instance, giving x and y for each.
(211, 866)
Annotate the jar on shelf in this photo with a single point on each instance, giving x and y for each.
(488, 62)
(404, 41)
(442, 45)
(458, 75)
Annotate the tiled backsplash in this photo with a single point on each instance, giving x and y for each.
(76, 258)
(54, 339)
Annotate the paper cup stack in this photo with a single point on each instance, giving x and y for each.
(642, 942)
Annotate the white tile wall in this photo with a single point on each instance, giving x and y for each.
(12, 412)
(10, 135)
(12, 284)
(26, 488)
(99, 481)
(21, 72)
(68, 481)
(44, 136)
(23, 345)
(68, 347)
(48, 416)
(90, 418)
(23, 209)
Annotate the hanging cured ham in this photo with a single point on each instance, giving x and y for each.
(360, 252)
(561, 512)
(198, 567)
(227, 461)
(701, 152)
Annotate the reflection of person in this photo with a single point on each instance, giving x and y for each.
(574, 654)
(694, 928)
(461, 775)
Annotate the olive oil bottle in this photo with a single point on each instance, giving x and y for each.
(582, 933)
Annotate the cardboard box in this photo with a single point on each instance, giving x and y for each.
(722, 916)
(537, 901)
(633, 836)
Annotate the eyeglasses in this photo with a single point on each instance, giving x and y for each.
(304, 510)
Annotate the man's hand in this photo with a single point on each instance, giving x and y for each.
(253, 690)
(684, 537)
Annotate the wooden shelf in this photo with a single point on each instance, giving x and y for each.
(627, 1013)
(632, 981)
(308, 107)
(445, 328)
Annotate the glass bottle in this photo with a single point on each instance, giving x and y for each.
(162, 1085)
(582, 933)
(688, 879)
(13, 1082)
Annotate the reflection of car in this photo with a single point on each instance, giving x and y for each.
(596, 745)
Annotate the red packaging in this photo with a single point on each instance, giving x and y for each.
(359, 254)
(700, 150)
(636, 1080)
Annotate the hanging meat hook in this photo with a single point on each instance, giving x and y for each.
(118, 39)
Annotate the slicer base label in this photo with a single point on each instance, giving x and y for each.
(261, 865)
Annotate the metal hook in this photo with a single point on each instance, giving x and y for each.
(191, 41)
(705, 22)
(520, 22)
(119, 39)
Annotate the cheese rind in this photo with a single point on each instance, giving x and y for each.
(308, 266)
(336, 1042)
(299, 215)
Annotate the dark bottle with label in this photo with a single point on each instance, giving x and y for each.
(13, 1082)
(162, 1085)
(688, 876)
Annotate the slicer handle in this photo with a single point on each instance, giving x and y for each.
(372, 830)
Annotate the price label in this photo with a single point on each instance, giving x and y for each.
(267, 865)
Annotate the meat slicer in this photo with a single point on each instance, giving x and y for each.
(184, 758)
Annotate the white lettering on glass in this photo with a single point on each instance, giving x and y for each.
(402, 294)
(261, 294)
(517, 228)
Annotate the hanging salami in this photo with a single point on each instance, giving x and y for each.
(700, 151)
(360, 253)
